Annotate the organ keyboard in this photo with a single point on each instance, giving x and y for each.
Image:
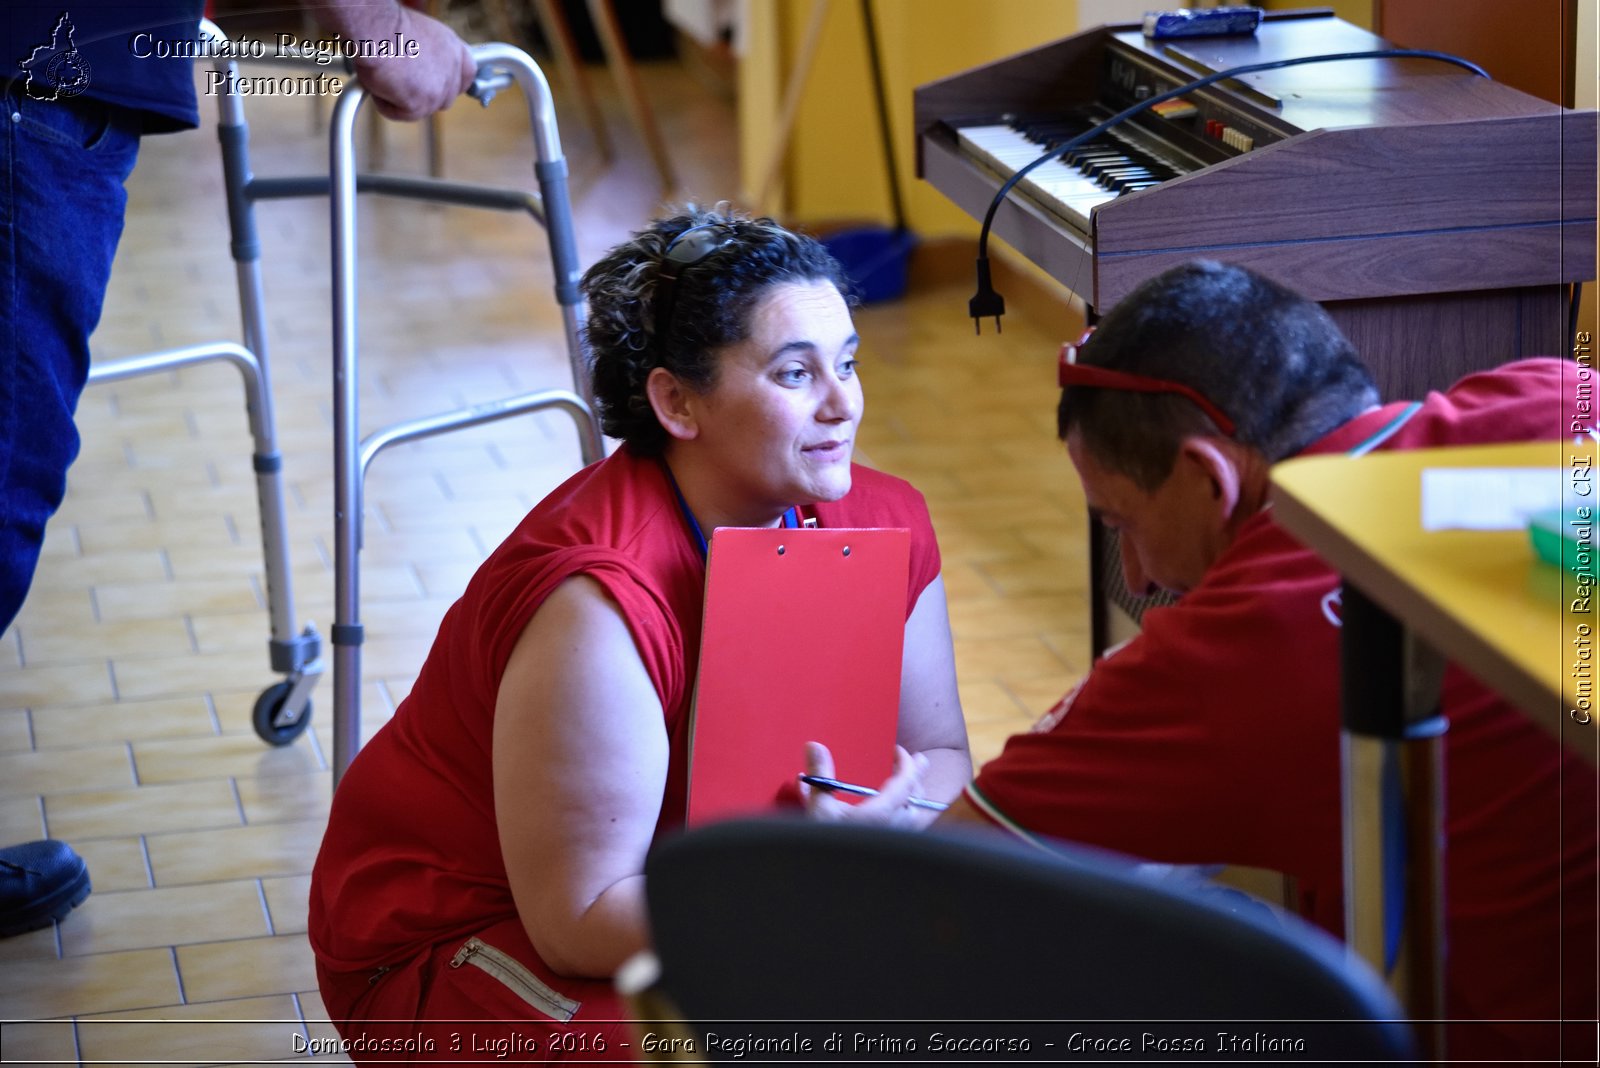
(1438, 216)
(1354, 182)
(1082, 179)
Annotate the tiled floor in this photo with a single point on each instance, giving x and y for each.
(127, 684)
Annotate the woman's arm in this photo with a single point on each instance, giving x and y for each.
(930, 706)
(580, 765)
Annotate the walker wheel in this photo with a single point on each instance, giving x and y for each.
(268, 705)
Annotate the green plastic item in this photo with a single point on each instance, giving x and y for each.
(1566, 537)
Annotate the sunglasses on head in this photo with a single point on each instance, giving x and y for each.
(683, 252)
(1072, 373)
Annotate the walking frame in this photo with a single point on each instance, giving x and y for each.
(499, 66)
(283, 710)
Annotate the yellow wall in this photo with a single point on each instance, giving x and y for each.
(835, 169)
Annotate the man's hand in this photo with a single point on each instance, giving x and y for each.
(403, 87)
(409, 88)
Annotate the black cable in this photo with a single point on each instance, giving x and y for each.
(987, 302)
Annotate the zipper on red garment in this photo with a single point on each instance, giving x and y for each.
(517, 977)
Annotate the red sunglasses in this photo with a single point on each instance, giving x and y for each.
(1073, 373)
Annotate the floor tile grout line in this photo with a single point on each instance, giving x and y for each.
(149, 865)
(266, 908)
(177, 975)
(211, 708)
(238, 800)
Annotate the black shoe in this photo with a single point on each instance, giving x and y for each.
(40, 882)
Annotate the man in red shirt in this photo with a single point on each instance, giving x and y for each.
(1213, 736)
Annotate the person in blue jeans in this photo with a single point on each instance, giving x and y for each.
(77, 96)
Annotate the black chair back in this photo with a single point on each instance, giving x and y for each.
(797, 920)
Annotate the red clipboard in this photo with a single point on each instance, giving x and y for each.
(801, 641)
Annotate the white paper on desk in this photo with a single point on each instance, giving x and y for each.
(1487, 498)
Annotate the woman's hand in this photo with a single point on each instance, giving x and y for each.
(890, 808)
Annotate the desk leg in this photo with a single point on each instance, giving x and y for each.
(1393, 809)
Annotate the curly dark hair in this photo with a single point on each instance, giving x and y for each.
(1271, 360)
(711, 304)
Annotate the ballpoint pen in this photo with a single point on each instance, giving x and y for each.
(835, 786)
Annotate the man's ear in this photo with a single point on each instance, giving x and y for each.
(671, 401)
(1218, 465)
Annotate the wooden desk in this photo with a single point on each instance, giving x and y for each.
(1481, 599)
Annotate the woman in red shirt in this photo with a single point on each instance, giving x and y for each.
(484, 852)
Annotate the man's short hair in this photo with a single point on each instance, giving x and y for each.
(1268, 358)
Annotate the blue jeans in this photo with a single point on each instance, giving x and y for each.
(62, 168)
